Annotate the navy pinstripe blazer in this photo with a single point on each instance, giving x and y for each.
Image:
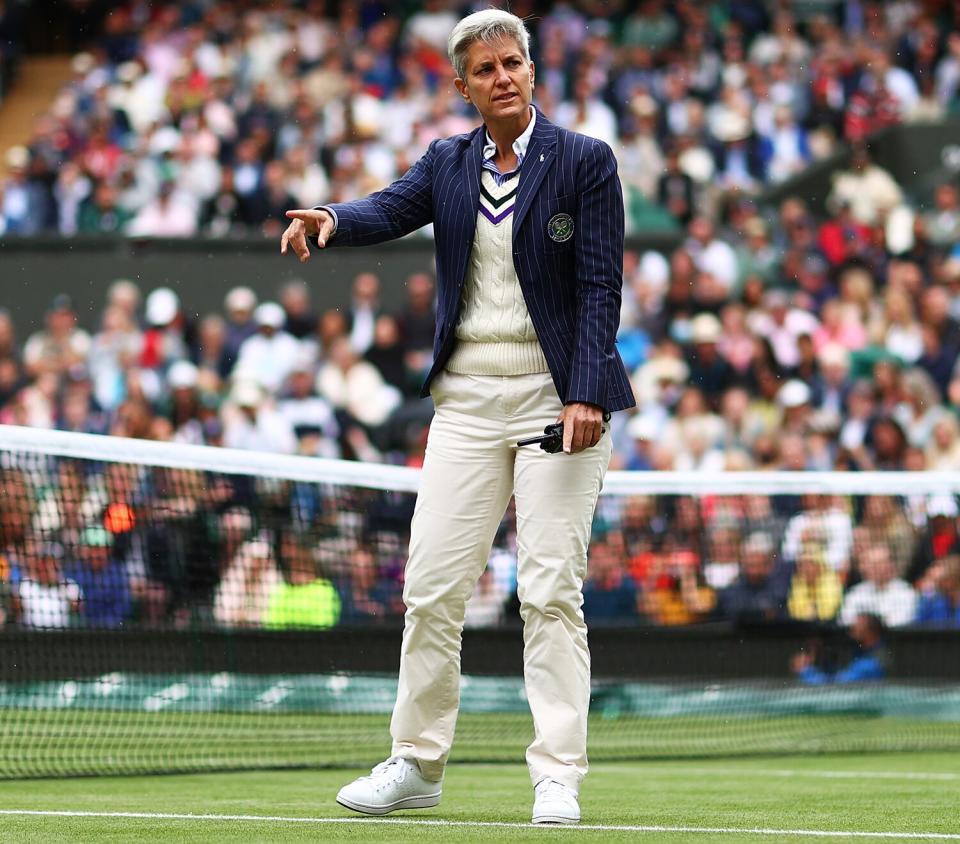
(571, 288)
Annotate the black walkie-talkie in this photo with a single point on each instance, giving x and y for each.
(551, 440)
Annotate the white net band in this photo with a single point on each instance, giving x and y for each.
(404, 479)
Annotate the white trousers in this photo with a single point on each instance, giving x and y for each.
(472, 467)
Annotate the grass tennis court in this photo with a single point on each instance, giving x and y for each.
(897, 796)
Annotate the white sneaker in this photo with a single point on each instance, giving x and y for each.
(394, 784)
(554, 802)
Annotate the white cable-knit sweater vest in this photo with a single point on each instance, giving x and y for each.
(495, 335)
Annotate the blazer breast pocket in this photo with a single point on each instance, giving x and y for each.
(560, 223)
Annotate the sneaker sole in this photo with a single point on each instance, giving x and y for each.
(422, 802)
(558, 819)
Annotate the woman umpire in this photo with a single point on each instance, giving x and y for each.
(528, 222)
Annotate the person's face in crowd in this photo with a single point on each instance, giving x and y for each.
(295, 299)
(757, 565)
(498, 80)
(945, 433)
(76, 408)
(888, 441)
(274, 176)
(235, 525)
(9, 374)
(931, 340)
(886, 377)
(691, 403)
(240, 316)
(300, 566)
(914, 459)
(793, 453)
(212, 335)
(420, 293)
(734, 404)
(363, 569)
(935, 306)
(768, 384)
(945, 198)
(603, 563)
(342, 354)
(687, 516)
(301, 384)
(638, 510)
(863, 632)
(860, 402)
(61, 321)
(97, 557)
(366, 289)
(809, 566)
(332, 324)
(386, 332)
(724, 545)
(877, 567)
(42, 564)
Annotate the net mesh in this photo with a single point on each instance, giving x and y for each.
(177, 608)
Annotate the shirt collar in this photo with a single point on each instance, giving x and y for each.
(519, 145)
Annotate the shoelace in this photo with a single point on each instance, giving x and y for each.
(550, 787)
(384, 770)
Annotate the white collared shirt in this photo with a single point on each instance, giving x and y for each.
(519, 147)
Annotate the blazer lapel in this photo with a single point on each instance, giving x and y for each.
(472, 164)
(538, 160)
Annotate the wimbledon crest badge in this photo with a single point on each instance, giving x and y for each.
(560, 228)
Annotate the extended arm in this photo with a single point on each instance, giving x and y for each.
(398, 209)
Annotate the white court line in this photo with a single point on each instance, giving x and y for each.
(788, 772)
(176, 816)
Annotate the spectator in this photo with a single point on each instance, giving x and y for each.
(252, 424)
(302, 598)
(759, 593)
(368, 597)
(364, 309)
(61, 345)
(386, 354)
(44, 597)
(102, 579)
(674, 590)
(249, 581)
(239, 303)
(880, 592)
(356, 386)
(269, 356)
(939, 601)
(170, 214)
(868, 664)
(295, 301)
(708, 369)
(311, 417)
(609, 593)
(870, 191)
(23, 203)
(816, 590)
(101, 213)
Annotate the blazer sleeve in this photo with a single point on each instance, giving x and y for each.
(398, 209)
(599, 276)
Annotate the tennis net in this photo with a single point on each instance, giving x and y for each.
(180, 608)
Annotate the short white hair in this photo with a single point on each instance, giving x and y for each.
(489, 25)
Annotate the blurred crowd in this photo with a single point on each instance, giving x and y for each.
(214, 117)
(769, 338)
(85, 543)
